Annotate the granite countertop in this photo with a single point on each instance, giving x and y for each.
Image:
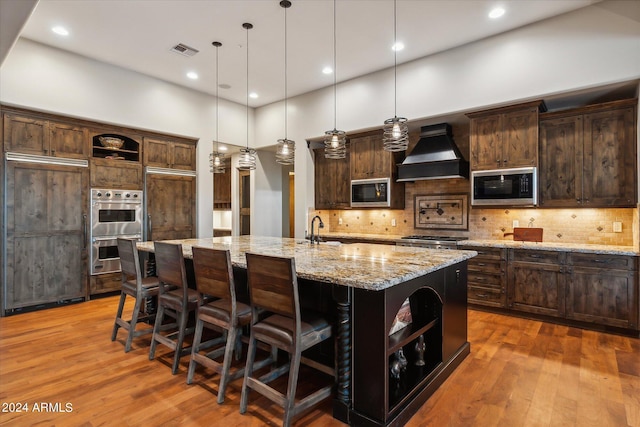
(373, 237)
(548, 246)
(360, 265)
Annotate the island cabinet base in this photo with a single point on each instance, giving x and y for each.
(394, 374)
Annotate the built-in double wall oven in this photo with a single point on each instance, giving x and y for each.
(114, 213)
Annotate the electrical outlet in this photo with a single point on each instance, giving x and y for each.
(617, 226)
(339, 220)
(393, 222)
(516, 223)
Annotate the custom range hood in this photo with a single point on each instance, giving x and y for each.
(435, 156)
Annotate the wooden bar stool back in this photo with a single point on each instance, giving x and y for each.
(214, 278)
(175, 299)
(273, 287)
(136, 286)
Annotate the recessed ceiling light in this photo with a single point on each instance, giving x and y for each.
(496, 13)
(222, 148)
(62, 31)
(253, 95)
(398, 46)
(327, 70)
(192, 75)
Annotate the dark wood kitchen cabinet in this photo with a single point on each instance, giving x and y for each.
(368, 158)
(487, 277)
(588, 156)
(222, 189)
(171, 206)
(505, 137)
(169, 153)
(116, 167)
(332, 182)
(38, 135)
(603, 289)
(46, 225)
(536, 282)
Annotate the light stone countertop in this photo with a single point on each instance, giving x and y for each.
(360, 265)
(548, 246)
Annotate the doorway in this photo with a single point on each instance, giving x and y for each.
(245, 202)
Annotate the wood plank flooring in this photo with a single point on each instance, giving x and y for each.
(519, 373)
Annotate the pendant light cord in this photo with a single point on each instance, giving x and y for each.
(395, 63)
(217, 116)
(335, 72)
(285, 74)
(247, 87)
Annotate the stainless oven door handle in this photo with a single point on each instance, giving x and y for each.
(104, 239)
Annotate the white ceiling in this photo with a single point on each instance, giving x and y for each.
(138, 35)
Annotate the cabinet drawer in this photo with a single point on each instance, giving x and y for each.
(485, 266)
(604, 261)
(483, 296)
(484, 253)
(547, 257)
(484, 280)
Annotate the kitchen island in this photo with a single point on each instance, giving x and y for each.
(381, 378)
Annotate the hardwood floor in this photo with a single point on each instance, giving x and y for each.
(519, 373)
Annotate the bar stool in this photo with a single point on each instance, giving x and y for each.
(214, 278)
(174, 298)
(273, 287)
(136, 286)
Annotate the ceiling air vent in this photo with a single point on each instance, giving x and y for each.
(185, 50)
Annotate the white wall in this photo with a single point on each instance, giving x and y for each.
(584, 49)
(42, 78)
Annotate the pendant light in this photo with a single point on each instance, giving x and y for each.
(395, 135)
(216, 159)
(285, 153)
(335, 140)
(247, 160)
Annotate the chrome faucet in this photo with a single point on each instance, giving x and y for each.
(321, 225)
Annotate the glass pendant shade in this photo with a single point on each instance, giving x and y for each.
(216, 159)
(335, 144)
(216, 162)
(247, 160)
(286, 152)
(395, 136)
(335, 141)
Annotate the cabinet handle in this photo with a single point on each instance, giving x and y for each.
(602, 261)
(480, 279)
(84, 231)
(149, 227)
(498, 162)
(535, 256)
(481, 264)
(482, 295)
(579, 200)
(504, 161)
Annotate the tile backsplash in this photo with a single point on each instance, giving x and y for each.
(589, 226)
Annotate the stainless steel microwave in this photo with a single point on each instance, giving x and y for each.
(505, 187)
(371, 193)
